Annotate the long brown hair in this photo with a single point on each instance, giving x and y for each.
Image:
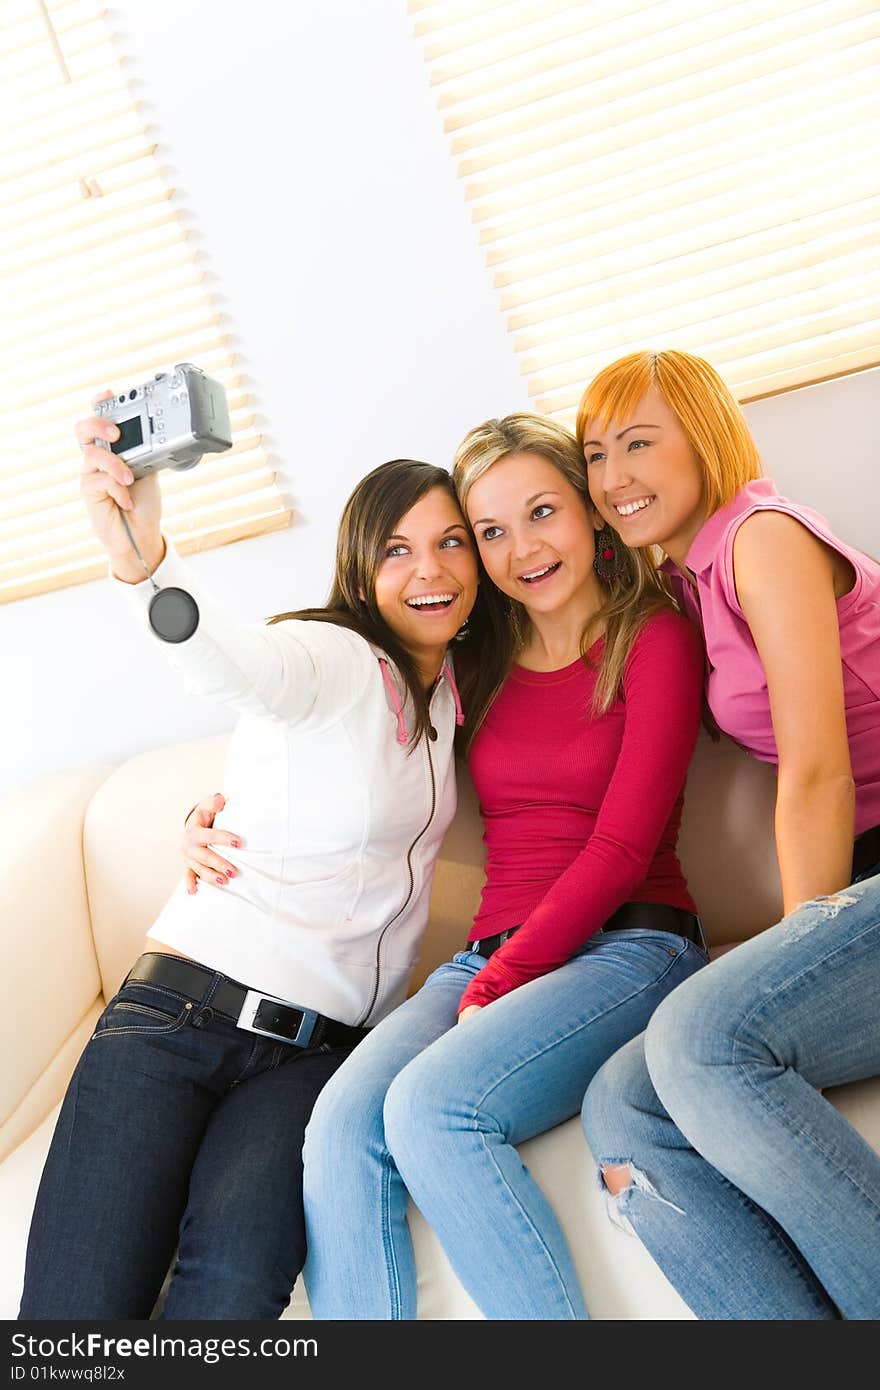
(636, 594)
(370, 516)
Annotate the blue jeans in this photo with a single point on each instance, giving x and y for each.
(754, 1195)
(176, 1124)
(434, 1108)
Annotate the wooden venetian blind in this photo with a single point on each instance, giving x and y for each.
(671, 174)
(100, 288)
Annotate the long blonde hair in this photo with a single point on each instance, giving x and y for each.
(704, 405)
(637, 593)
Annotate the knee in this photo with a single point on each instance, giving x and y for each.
(616, 1177)
(625, 1124)
(238, 1274)
(622, 1119)
(697, 1034)
(409, 1112)
(421, 1108)
(344, 1129)
(674, 1039)
(617, 1104)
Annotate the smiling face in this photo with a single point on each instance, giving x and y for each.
(426, 584)
(535, 535)
(645, 478)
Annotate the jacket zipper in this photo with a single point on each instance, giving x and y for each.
(409, 894)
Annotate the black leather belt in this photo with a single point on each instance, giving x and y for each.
(645, 916)
(866, 851)
(259, 1013)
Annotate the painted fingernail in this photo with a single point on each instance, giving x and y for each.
(220, 879)
(236, 844)
(230, 873)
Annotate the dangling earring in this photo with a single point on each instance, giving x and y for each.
(609, 562)
(462, 631)
(515, 625)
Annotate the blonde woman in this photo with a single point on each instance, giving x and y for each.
(756, 1198)
(580, 736)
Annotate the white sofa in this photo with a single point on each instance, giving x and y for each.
(88, 857)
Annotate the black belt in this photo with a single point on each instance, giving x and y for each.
(645, 916)
(259, 1013)
(866, 851)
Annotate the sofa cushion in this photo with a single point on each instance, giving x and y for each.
(49, 966)
(132, 840)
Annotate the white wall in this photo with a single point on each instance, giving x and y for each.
(306, 149)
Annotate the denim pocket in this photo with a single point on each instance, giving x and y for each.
(160, 1014)
(163, 1014)
(670, 942)
(676, 945)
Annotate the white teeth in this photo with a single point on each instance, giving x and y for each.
(422, 599)
(628, 508)
(537, 573)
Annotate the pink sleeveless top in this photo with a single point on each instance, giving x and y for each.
(736, 687)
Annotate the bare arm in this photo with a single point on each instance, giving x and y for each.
(785, 581)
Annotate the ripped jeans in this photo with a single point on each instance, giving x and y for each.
(753, 1194)
(433, 1108)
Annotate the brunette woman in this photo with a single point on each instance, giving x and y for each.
(184, 1119)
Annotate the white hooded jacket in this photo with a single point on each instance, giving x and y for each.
(340, 820)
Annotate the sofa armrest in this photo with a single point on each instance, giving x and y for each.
(49, 963)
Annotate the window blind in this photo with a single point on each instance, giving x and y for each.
(100, 288)
(672, 174)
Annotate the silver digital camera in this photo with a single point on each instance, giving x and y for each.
(168, 422)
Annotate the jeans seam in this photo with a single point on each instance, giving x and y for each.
(144, 1032)
(780, 1114)
(528, 1221)
(394, 1296)
(152, 988)
(775, 1233)
(739, 1045)
(250, 1058)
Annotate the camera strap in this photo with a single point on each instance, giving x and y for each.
(173, 613)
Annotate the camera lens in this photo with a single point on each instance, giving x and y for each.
(132, 395)
(122, 400)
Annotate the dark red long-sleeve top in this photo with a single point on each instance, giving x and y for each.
(581, 811)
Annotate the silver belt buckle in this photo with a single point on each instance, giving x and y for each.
(252, 1001)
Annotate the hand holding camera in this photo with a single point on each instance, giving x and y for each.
(109, 487)
(168, 422)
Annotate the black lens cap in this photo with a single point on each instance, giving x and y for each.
(174, 615)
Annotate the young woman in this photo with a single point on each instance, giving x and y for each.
(185, 1116)
(580, 741)
(756, 1198)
